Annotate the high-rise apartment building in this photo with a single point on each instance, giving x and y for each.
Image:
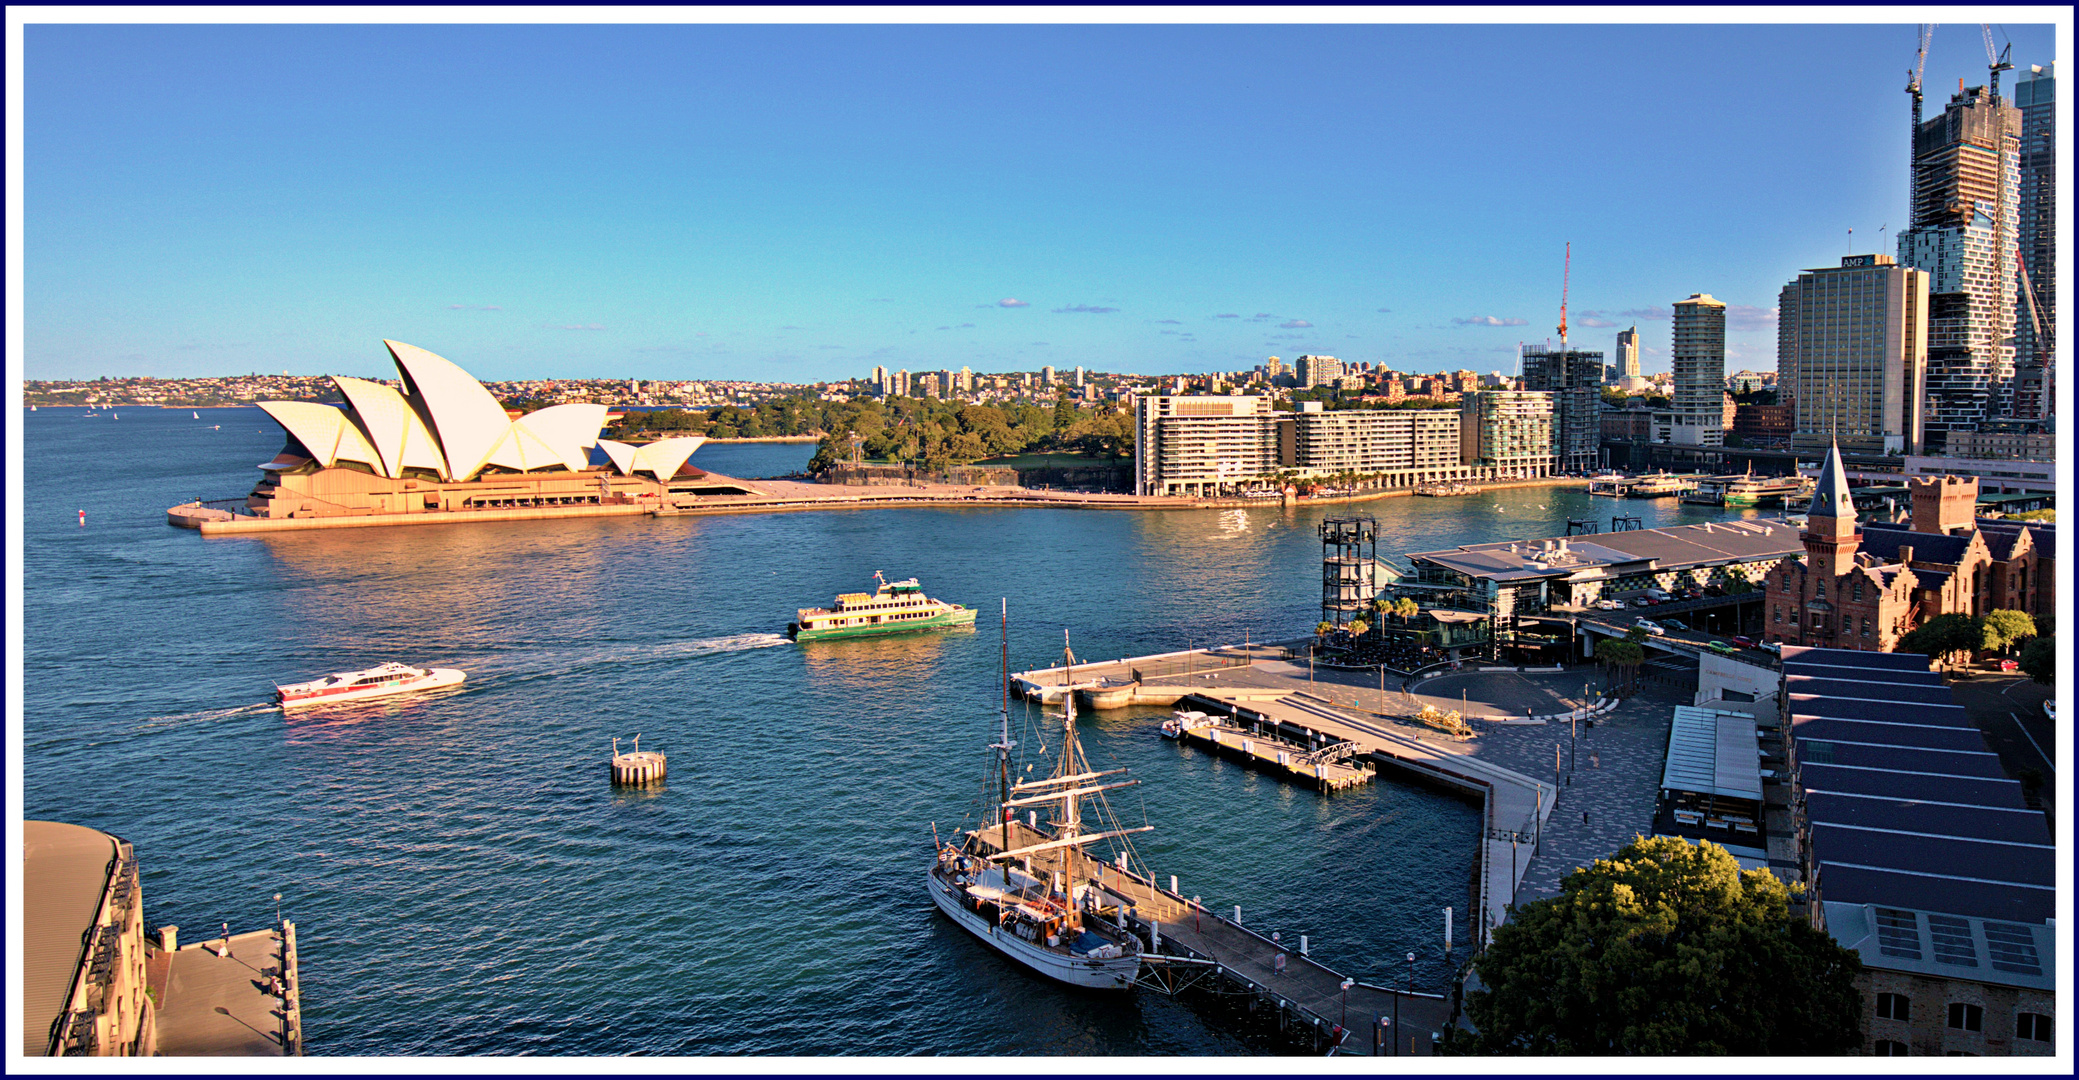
(1851, 341)
(1409, 446)
(2036, 98)
(1315, 371)
(1574, 378)
(1967, 190)
(1699, 363)
(965, 383)
(1507, 431)
(1047, 375)
(880, 380)
(902, 383)
(1202, 446)
(1079, 377)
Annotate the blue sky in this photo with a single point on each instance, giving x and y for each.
(802, 203)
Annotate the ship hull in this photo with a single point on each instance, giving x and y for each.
(958, 617)
(1114, 974)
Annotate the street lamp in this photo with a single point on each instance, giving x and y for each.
(1411, 991)
(1345, 1025)
(277, 913)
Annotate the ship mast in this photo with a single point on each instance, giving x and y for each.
(1071, 802)
(1004, 744)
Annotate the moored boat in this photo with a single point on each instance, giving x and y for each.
(1023, 887)
(382, 680)
(1184, 720)
(893, 608)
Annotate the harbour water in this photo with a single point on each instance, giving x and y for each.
(463, 876)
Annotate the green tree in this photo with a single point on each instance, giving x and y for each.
(1406, 608)
(1064, 412)
(1358, 627)
(2039, 659)
(1323, 628)
(1667, 947)
(1943, 636)
(1624, 656)
(2006, 628)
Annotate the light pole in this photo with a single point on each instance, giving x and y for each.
(277, 913)
(1411, 991)
(1393, 1029)
(1345, 1025)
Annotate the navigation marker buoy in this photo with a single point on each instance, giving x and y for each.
(82, 519)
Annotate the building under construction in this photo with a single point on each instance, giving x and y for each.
(1963, 233)
(1574, 378)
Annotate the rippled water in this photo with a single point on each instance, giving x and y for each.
(466, 881)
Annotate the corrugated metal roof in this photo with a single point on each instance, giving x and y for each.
(1902, 939)
(1712, 753)
(1893, 732)
(1794, 655)
(64, 874)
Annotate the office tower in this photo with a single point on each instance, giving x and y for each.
(1574, 378)
(1963, 234)
(1625, 364)
(2036, 98)
(1851, 343)
(1699, 362)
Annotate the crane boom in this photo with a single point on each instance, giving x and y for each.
(1565, 277)
(1927, 31)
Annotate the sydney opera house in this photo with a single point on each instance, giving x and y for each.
(444, 446)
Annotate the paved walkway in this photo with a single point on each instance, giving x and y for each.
(217, 1006)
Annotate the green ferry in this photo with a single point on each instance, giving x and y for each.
(895, 607)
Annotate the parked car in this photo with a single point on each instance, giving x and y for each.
(1772, 646)
(1640, 601)
(2009, 665)
(1721, 647)
(1610, 605)
(1694, 594)
(1650, 627)
(1656, 595)
(1743, 641)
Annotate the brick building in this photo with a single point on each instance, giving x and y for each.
(1838, 596)
(1864, 586)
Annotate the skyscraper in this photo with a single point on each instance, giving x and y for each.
(1625, 364)
(2036, 98)
(1851, 349)
(1963, 234)
(1699, 363)
(1574, 378)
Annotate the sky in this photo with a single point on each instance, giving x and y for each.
(802, 203)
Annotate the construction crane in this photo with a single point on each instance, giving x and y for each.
(1927, 31)
(1996, 60)
(2035, 318)
(1565, 277)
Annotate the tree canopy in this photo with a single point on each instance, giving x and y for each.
(1944, 636)
(2004, 629)
(2039, 659)
(1667, 947)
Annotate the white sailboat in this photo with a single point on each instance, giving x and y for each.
(1022, 887)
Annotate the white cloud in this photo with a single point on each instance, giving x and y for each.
(1012, 301)
(1490, 320)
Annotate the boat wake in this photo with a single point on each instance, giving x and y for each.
(711, 646)
(205, 716)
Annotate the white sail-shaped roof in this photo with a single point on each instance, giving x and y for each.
(324, 431)
(468, 421)
(393, 427)
(661, 459)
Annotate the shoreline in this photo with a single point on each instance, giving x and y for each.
(791, 497)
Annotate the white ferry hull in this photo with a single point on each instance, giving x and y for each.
(436, 679)
(1117, 973)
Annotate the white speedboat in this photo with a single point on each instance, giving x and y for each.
(380, 681)
(1027, 888)
(1184, 720)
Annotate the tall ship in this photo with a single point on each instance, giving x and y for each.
(1027, 888)
(894, 607)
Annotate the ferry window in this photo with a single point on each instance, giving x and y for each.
(1888, 1048)
(1893, 1006)
(2035, 1027)
(1965, 1017)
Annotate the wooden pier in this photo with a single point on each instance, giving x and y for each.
(1322, 767)
(1187, 947)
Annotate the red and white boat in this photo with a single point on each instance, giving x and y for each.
(380, 681)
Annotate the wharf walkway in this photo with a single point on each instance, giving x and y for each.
(244, 1004)
(1277, 698)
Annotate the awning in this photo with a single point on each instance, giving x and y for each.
(1712, 753)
